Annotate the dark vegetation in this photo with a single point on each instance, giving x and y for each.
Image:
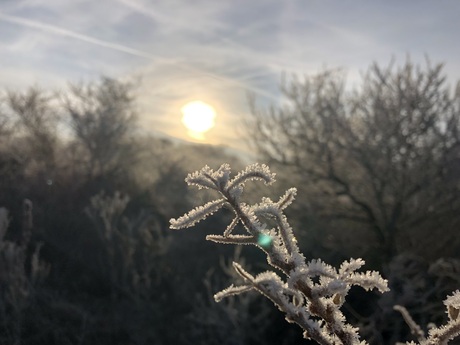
(86, 256)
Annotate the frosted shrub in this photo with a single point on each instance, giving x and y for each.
(20, 275)
(312, 293)
(132, 244)
(231, 321)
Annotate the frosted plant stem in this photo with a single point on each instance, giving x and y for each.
(286, 267)
(414, 328)
(316, 307)
(313, 292)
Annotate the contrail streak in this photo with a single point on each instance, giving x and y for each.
(235, 46)
(64, 32)
(121, 48)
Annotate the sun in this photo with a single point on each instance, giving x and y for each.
(198, 117)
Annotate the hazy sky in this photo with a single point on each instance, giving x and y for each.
(213, 50)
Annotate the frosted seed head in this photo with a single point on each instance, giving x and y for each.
(453, 312)
(338, 299)
(453, 305)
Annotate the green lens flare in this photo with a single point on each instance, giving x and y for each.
(264, 240)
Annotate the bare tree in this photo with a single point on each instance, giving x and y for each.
(5, 126)
(385, 156)
(35, 125)
(102, 118)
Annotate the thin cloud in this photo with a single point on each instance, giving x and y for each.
(214, 51)
(122, 48)
(205, 27)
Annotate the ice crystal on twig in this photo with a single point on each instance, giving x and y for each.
(311, 293)
(197, 214)
(453, 305)
(253, 172)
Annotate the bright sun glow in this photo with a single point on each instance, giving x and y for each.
(198, 117)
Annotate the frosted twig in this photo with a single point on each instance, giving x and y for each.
(313, 292)
(438, 335)
(414, 328)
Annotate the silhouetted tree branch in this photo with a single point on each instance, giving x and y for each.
(102, 117)
(386, 153)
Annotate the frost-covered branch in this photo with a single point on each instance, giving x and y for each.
(313, 306)
(414, 327)
(438, 335)
(311, 293)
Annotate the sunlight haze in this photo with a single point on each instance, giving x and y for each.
(222, 50)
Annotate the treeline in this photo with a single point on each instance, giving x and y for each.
(378, 171)
(86, 256)
(383, 159)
